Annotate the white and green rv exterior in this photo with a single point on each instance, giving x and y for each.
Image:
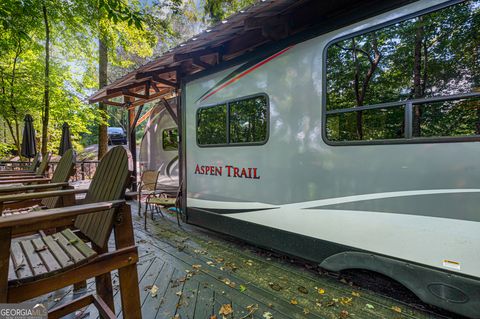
(273, 154)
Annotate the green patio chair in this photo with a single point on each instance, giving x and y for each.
(31, 267)
(38, 176)
(30, 170)
(65, 169)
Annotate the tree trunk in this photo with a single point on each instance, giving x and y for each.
(358, 94)
(102, 82)
(16, 133)
(46, 108)
(417, 78)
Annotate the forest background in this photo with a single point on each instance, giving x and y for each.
(55, 53)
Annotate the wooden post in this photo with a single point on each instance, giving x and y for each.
(132, 124)
(132, 144)
(5, 240)
(128, 276)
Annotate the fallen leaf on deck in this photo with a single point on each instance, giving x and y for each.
(275, 286)
(219, 260)
(345, 301)
(321, 291)
(251, 307)
(303, 290)
(369, 306)
(213, 317)
(355, 294)
(210, 263)
(249, 262)
(344, 314)
(294, 301)
(397, 309)
(154, 291)
(178, 293)
(306, 311)
(242, 288)
(267, 315)
(225, 309)
(344, 281)
(229, 283)
(196, 266)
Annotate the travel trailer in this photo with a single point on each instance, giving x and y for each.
(159, 145)
(357, 148)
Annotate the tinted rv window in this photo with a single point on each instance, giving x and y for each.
(170, 139)
(248, 120)
(419, 78)
(212, 125)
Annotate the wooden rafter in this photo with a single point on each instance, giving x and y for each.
(147, 74)
(158, 79)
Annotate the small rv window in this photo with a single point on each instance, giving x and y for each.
(245, 124)
(212, 125)
(170, 139)
(412, 80)
(248, 120)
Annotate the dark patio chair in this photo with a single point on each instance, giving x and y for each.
(65, 169)
(30, 170)
(37, 177)
(33, 267)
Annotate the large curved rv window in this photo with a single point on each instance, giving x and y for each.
(246, 123)
(170, 139)
(411, 81)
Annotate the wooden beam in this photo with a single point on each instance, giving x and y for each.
(131, 94)
(199, 63)
(170, 110)
(147, 74)
(127, 87)
(158, 79)
(153, 97)
(193, 54)
(113, 103)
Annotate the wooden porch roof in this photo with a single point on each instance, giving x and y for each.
(264, 23)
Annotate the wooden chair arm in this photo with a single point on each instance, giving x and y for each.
(16, 173)
(36, 195)
(26, 180)
(24, 188)
(21, 176)
(38, 220)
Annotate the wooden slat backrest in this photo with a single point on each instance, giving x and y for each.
(44, 164)
(34, 164)
(108, 183)
(149, 180)
(61, 174)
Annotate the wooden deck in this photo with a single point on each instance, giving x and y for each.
(191, 273)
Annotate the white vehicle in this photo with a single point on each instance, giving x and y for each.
(357, 148)
(159, 146)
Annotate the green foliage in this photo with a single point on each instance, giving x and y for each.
(433, 55)
(218, 10)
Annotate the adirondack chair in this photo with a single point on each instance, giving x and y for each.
(31, 169)
(33, 267)
(65, 169)
(37, 177)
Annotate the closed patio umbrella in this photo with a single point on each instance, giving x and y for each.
(29, 144)
(65, 142)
